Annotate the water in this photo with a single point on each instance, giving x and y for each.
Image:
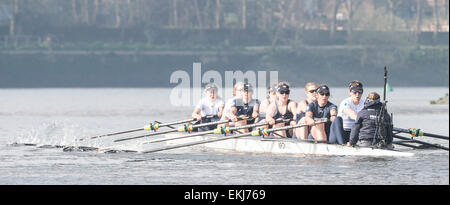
(58, 116)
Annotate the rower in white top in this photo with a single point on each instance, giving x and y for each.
(210, 108)
(349, 108)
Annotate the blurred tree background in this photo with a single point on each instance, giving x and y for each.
(76, 42)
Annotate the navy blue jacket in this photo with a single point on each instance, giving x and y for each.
(365, 125)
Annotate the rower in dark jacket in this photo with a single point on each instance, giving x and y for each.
(366, 131)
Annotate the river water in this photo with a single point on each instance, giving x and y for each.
(58, 116)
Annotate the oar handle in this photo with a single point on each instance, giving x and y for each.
(185, 128)
(216, 123)
(229, 130)
(154, 126)
(266, 132)
(224, 131)
(190, 127)
(210, 116)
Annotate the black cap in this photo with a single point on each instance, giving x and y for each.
(283, 88)
(355, 85)
(322, 88)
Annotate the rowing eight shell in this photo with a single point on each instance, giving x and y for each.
(287, 146)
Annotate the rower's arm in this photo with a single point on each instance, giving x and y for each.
(309, 120)
(354, 134)
(196, 114)
(220, 113)
(293, 108)
(263, 107)
(349, 112)
(269, 114)
(255, 111)
(301, 107)
(333, 114)
(233, 111)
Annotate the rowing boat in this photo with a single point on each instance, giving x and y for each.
(284, 146)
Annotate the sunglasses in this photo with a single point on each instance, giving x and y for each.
(285, 92)
(357, 91)
(311, 91)
(325, 93)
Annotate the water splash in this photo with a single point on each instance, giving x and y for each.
(54, 133)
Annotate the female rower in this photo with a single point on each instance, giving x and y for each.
(348, 109)
(310, 93)
(283, 108)
(237, 94)
(271, 98)
(245, 107)
(310, 90)
(321, 108)
(209, 108)
(366, 131)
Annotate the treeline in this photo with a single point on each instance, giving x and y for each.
(273, 16)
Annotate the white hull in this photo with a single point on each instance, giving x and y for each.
(285, 146)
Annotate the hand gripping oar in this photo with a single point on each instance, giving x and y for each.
(259, 132)
(421, 142)
(418, 132)
(224, 131)
(185, 128)
(152, 126)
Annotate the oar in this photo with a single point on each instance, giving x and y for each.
(184, 128)
(421, 142)
(263, 132)
(405, 144)
(152, 126)
(418, 132)
(225, 130)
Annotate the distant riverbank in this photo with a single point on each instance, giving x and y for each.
(333, 65)
(442, 100)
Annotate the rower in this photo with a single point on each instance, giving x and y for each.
(321, 108)
(348, 109)
(283, 108)
(209, 108)
(310, 90)
(271, 98)
(245, 107)
(237, 94)
(372, 127)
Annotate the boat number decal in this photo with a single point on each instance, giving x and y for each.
(281, 145)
